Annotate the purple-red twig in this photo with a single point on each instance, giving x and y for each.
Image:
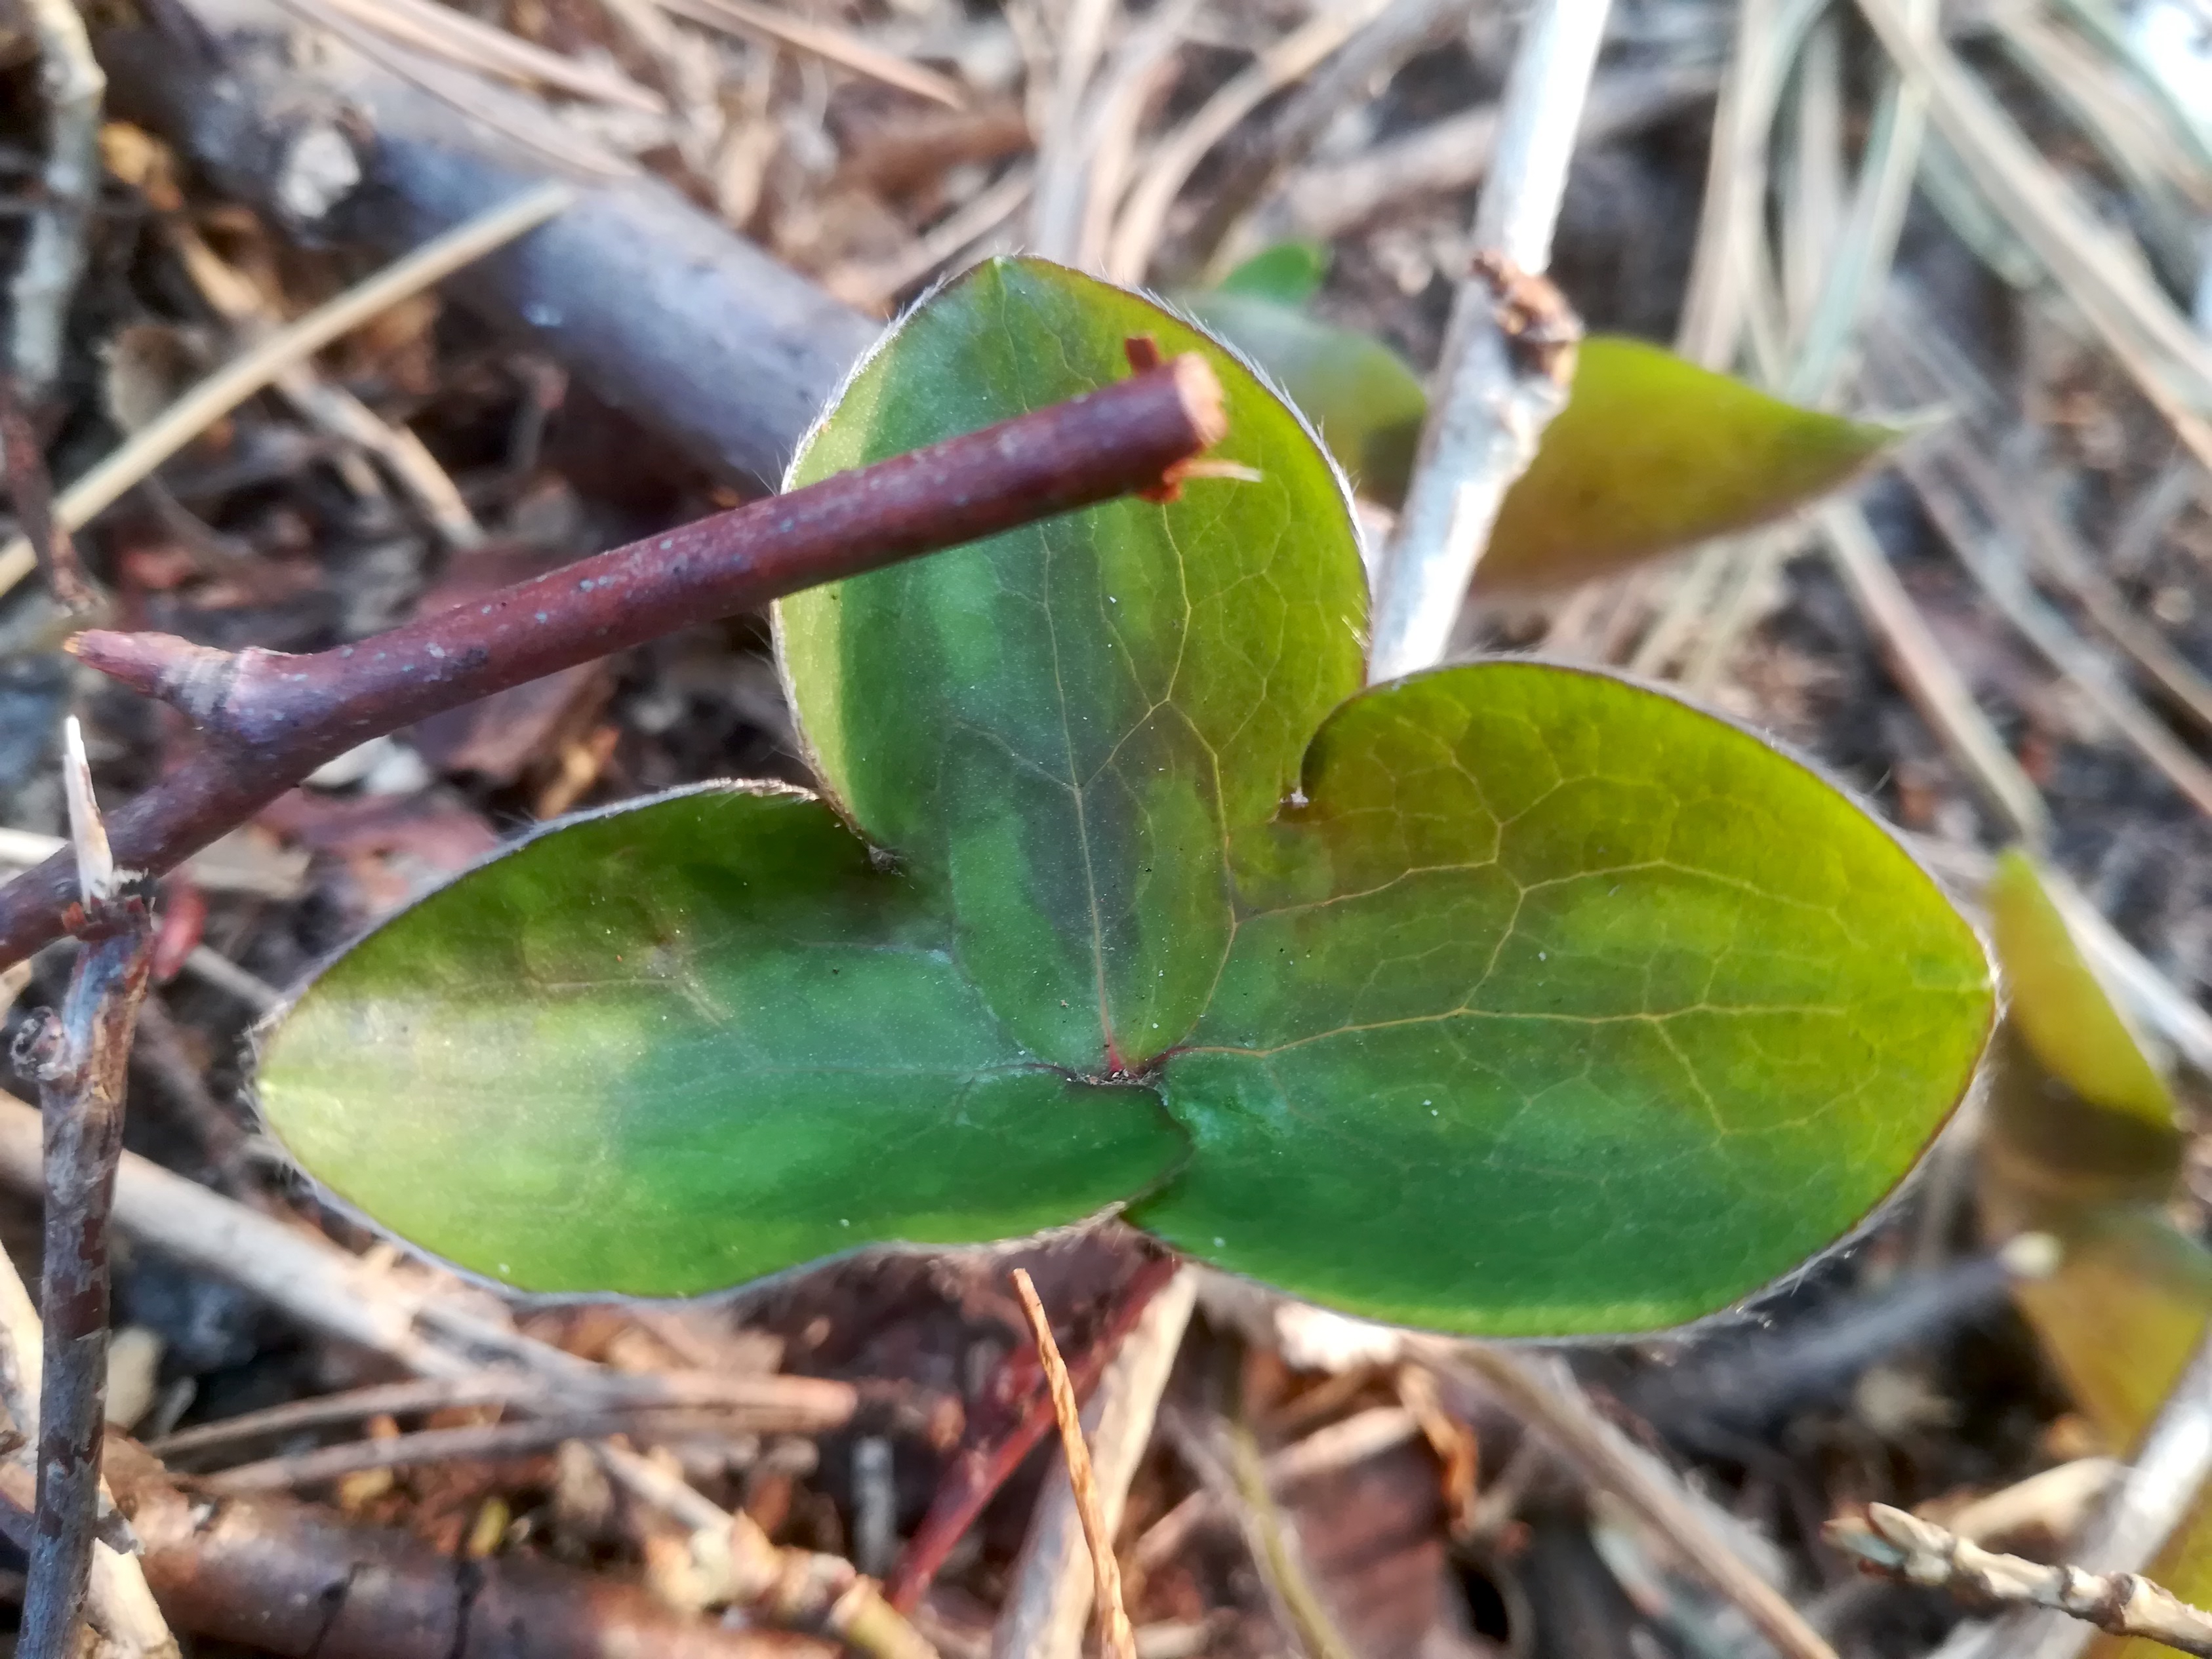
(270, 719)
(31, 489)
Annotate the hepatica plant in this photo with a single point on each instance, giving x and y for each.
(1507, 998)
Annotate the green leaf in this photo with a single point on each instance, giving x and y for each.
(1561, 1007)
(1652, 454)
(1289, 273)
(1367, 404)
(1517, 1000)
(2073, 1027)
(2080, 1141)
(675, 1048)
(1061, 726)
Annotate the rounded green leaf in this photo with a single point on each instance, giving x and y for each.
(1561, 1008)
(1368, 405)
(1652, 454)
(672, 1048)
(1061, 728)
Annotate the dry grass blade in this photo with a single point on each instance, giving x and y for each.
(1335, 199)
(232, 384)
(1929, 677)
(1115, 1635)
(871, 287)
(830, 45)
(2102, 275)
(1555, 1408)
(463, 41)
(1144, 214)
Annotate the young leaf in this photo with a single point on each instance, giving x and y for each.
(1652, 454)
(1289, 273)
(2072, 1026)
(1561, 1007)
(2081, 1142)
(671, 1048)
(1368, 405)
(1061, 726)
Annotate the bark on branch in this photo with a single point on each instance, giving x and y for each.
(270, 719)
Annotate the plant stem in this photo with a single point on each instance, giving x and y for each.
(1509, 358)
(270, 719)
(80, 1061)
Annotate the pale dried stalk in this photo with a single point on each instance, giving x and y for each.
(2105, 277)
(239, 380)
(1496, 394)
(1900, 1545)
(53, 253)
(1054, 1587)
(1115, 1639)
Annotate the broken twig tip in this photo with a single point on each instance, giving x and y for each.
(95, 863)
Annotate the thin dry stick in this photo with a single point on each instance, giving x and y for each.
(1900, 1545)
(1063, 166)
(736, 1561)
(270, 719)
(1115, 1635)
(1510, 359)
(53, 253)
(798, 1405)
(80, 1061)
(121, 1606)
(239, 380)
(1054, 1587)
(32, 491)
(1561, 1415)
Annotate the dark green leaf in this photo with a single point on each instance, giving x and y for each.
(1653, 454)
(1562, 1007)
(1061, 726)
(675, 1048)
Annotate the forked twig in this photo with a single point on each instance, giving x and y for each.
(1115, 1636)
(80, 1061)
(1898, 1545)
(270, 719)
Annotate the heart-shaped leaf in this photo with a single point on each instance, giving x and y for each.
(1653, 454)
(1061, 726)
(675, 1047)
(1561, 996)
(1517, 999)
